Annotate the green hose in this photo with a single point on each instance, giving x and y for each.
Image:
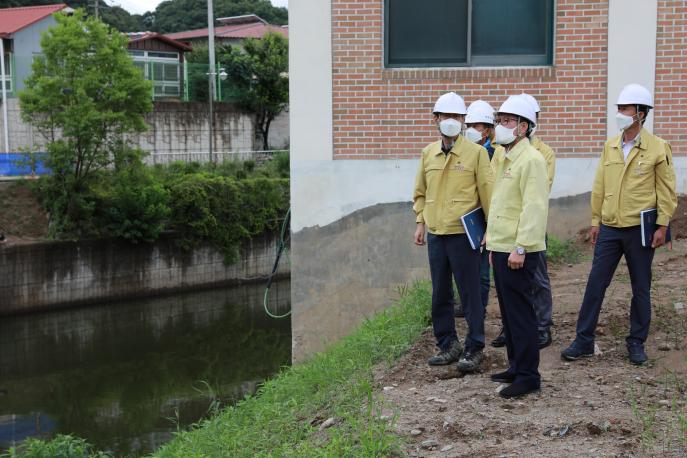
(281, 246)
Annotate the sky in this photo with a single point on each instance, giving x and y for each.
(141, 6)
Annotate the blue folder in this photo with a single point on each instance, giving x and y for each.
(648, 222)
(475, 224)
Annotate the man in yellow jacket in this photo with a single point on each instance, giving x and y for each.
(635, 173)
(515, 236)
(454, 177)
(543, 300)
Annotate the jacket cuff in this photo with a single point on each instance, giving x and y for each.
(662, 220)
(595, 222)
(419, 218)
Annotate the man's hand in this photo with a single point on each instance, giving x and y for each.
(491, 263)
(659, 237)
(419, 237)
(593, 234)
(515, 260)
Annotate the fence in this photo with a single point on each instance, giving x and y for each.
(23, 164)
(196, 84)
(218, 157)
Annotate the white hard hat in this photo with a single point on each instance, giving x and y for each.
(532, 101)
(480, 111)
(519, 106)
(450, 103)
(635, 94)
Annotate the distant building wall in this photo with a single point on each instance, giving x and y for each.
(26, 44)
(48, 275)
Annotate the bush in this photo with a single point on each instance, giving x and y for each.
(558, 251)
(225, 210)
(135, 208)
(60, 447)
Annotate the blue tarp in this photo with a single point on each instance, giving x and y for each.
(17, 164)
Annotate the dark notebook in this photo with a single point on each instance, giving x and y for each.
(648, 221)
(475, 225)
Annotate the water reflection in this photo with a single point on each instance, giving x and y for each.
(126, 375)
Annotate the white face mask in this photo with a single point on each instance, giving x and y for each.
(450, 127)
(503, 135)
(473, 135)
(623, 121)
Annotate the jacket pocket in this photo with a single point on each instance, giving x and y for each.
(504, 227)
(608, 209)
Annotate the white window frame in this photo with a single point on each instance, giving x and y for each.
(8, 73)
(148, 60)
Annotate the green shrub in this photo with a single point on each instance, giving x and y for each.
(225, 210)
(60, 447)
(558, 251)
(135, 207)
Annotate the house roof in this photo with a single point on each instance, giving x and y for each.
(12, 20)
(248, 26)
(245, 19)
(142, 36)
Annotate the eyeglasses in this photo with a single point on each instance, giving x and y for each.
(507, 121)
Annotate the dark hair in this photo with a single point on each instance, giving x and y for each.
(643, 109)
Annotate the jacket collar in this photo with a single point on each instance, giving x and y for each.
(514, 153)
(642, 142)
(454, 151)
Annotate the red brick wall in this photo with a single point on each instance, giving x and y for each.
(670, 120)
(386, 113)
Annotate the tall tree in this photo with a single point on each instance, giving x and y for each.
(259, 72)
(84, 96)
(178, 15)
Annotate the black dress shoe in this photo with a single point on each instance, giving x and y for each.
(500, 340)
(515, 390)
(544, 338)
(503, 377)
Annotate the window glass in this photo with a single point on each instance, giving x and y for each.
(502, 32)
(427, 32)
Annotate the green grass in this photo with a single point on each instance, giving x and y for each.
(283, 418)
(558, 251)
(663, 427)
(61, 446)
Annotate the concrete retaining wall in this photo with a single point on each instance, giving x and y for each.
(174, 129)
(48, 275)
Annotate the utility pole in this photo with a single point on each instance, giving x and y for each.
(4, 96)
(96, 8)
(212, 73)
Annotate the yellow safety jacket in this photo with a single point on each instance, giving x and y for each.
(549, 157)
(449, 186)
(622, 189)
(520, 202)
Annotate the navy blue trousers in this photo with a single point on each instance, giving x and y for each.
(452, 256)
(514, 290)
(484, 278)
(611, 244)
(543, 301)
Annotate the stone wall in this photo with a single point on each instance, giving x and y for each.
(47, 275)
(176, 130)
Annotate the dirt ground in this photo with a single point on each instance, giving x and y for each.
(22, 219)
(601, 406)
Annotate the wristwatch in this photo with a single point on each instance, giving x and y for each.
(520, 250)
